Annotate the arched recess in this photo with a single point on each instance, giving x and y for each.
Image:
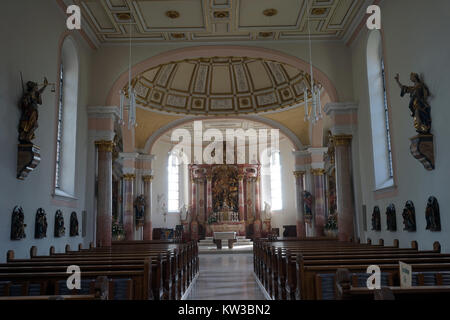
(271, 123)
(216, 51)
(330, 93)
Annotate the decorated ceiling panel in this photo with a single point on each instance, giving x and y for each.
(220, 20)
(220, 86)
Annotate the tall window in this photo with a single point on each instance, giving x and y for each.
(173, 169)
(66, 141)
(59, 130)
(379, 113)
(275, 182)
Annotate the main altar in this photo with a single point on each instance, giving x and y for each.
(225, 198)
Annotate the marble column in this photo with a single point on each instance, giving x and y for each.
(241, 197)
(209, 209)
(128, 205)
(104, 195)
(257, 225)
(148, 231)
(344, 188)
(194, 223)
(299, 188)
(319, 201)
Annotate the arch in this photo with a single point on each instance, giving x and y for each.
(214, 51)
(271, 123)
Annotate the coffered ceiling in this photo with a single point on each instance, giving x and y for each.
(219, 20)
(221, 86)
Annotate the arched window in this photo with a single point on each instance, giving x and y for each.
(173, 170)
(275, 182)
(65, 169)
(379, 113)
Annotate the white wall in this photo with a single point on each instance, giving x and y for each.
(415, 40)
(29, 33)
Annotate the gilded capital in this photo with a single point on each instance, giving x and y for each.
(318, 172)
(129, 177)
(147, 178)
(299, 173)
(105, 145)
(342, 140)
(240, 177)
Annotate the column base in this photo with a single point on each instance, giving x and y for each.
(301, 232)
(257, 226)
(148, 231)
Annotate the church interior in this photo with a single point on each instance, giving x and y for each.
(224, 149)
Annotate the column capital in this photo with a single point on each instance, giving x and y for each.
(129, 177)
(299, 173)
(147, 178)
(318, 172)
(105, 145)
(240, 176)
(342, 139)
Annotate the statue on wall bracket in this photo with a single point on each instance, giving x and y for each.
(409, 217)
(18, 224)
(60, 230)
(422, 147)
(391, 219)
(73, 224)
(139, 208)
(40, 227)
(29, 154)
(432, 215)
(307, 206)
(376, 219)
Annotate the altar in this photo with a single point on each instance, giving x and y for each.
(225, 198)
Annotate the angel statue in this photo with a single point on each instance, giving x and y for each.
(267, 210)
(29, 107)
(183, 213)
(420, 109)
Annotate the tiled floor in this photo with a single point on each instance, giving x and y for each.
(226, 277)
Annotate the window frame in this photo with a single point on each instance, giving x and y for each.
(170, 176)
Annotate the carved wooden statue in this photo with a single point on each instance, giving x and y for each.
(18, 224)
(432, 215)
(139, 208)
(418, 105)
(29, 107)
(422, 145)
(40, 227)
(60, 230)
(409, 217)
(376, 219)
(307, 206)
(74, 224)
(391, 219)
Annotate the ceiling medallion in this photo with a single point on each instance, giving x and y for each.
(318, 11)
(270, 12)
(123, 16)
(172, 14)
(221, 14)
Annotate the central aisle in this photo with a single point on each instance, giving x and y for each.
(226, 277)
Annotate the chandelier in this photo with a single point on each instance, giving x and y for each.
(313, 106)
(130, 95)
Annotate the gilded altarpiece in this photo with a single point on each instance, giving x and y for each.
(225, 198)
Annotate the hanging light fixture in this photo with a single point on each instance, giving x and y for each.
(131, 95)
(313, 112)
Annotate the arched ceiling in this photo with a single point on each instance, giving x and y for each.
(220, 86)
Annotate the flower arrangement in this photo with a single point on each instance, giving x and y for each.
(212, 219)
(117, 230)
(331, 222)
